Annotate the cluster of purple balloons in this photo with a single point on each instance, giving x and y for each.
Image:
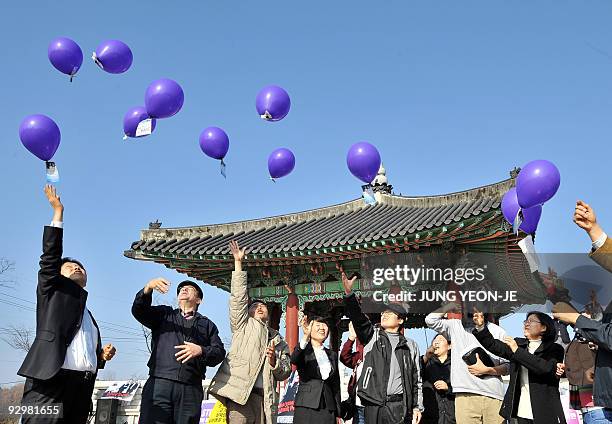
(113, 56)
(272, 104)
(163, 98)
(536, 183)
(39, 133)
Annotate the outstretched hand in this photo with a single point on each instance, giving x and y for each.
(348, 284)
(237, 252)
(55, 202)
(158, 284)
(585, 218)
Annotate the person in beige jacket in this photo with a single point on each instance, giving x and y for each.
(246, 381)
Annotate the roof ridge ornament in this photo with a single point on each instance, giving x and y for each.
(380, 183)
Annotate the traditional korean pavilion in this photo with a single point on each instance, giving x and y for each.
(294, 261)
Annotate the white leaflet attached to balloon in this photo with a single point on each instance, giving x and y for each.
(530, 253)
(144, 127)
(52, 173)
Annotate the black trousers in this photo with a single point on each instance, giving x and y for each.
(304, 415)
(523, 421)
(390, 413)
(73, 389)
(170, 402)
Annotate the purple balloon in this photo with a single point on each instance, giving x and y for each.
(133, 117)
(537, 182)
(281, 162)
(510, 207)
(214, 142)
(65, 55)
(363, 161)
(164, 98)
(113, 56)
(40, 135)
(272, 103)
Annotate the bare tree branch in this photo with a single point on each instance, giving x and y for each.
(147, 335)
(18, 337)
(6, 268)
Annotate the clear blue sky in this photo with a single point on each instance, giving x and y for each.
(454, 94)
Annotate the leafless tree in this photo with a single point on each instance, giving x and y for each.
(18, 337)
(6, 268)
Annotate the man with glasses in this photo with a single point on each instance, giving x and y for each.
(259, 357)
(390, 386)
(184, 343)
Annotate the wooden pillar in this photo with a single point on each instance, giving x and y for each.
(291, 321)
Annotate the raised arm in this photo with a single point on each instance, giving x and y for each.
(438, 323)
(51, 258)
(496, 347)
(239, 300)
(362, 325)
(347, 357)
(585, 218)
(596, 332)
(147, 315)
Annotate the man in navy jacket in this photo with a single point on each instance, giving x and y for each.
(184, 343)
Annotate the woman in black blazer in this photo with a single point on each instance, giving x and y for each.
(533, 393)
(318, 398)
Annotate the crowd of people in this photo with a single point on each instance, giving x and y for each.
(458, 379)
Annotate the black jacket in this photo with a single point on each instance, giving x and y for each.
(169, 329)
(372, 384)
(60, 304)
(312, 387)
(543, 383)
(439, 405)
(600, 333)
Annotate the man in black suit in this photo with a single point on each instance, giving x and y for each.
(61, 365)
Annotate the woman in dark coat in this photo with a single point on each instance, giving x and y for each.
(533, 393)
(318, 398)
(438, 397)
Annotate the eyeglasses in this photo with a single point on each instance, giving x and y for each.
(387, 313)
(529, 322)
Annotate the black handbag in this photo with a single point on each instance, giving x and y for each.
(470, 357)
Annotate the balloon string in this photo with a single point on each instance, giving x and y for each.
(223, 168)
(273, 180)
(125, 137)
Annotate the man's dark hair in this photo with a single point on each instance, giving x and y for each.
(550, 335)
(72, 260)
